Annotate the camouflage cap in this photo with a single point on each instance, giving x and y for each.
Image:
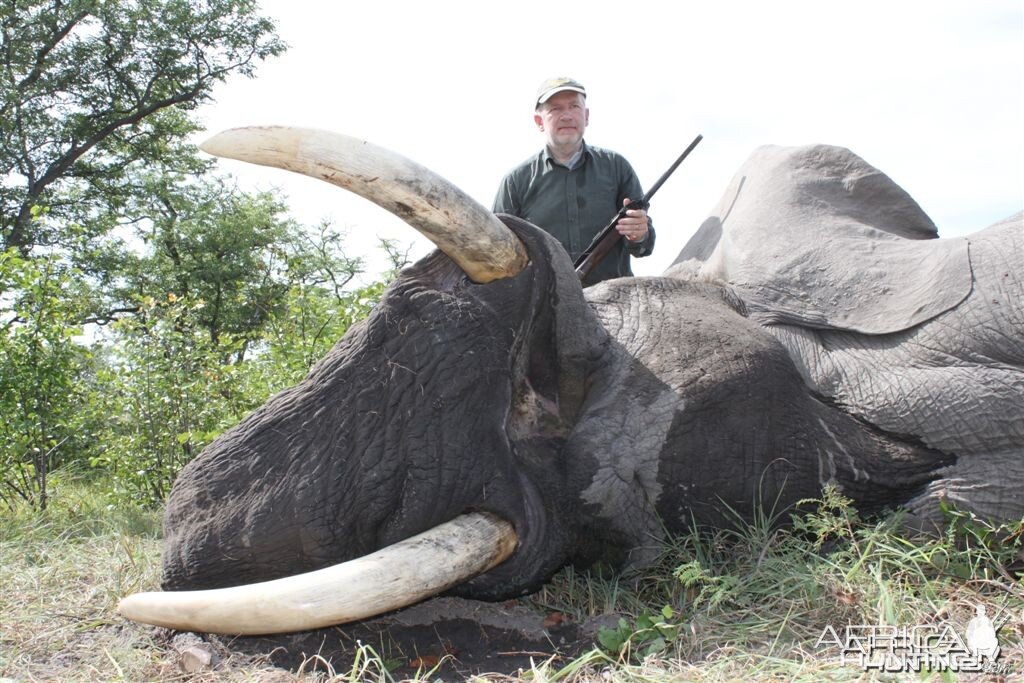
(556, 85)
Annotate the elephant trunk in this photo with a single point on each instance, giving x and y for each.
(468, 233)
(391, 578)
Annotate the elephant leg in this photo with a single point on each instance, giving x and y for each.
(986, 484)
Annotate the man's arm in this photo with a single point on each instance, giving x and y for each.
(642, 247)
(636, 227)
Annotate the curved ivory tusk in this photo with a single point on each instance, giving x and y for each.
(393, 577)
(468, 233)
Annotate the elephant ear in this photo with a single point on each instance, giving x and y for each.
(815, 236)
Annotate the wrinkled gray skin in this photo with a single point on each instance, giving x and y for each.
(754, 373)
(919, 336)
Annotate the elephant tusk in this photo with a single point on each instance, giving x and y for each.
(393, 577)
(468, 233)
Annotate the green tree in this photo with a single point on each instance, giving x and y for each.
(42, 370)
(211, 244)
(163, 391)
(90, 89)
(238, 255)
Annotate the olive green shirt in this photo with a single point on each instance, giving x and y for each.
(574, 204)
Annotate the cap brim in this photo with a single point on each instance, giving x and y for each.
(554, 91)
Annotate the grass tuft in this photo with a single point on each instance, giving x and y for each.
(750, 603)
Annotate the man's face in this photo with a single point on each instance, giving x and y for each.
(563, 118)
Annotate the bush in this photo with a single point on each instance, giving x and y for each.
(164, 390)
(41, 374)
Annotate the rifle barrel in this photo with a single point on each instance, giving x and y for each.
(671, 169)
(584, 264)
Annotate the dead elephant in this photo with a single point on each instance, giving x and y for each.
(813, 331)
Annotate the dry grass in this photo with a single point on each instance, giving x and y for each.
(62, 574)
(744, 605)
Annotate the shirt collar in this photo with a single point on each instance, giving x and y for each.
(574, 163)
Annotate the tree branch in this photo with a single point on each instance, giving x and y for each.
(109, 316)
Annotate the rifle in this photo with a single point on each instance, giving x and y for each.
(606, 240)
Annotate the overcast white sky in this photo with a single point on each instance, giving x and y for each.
(931, 92)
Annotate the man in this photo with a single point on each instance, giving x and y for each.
(571, 189)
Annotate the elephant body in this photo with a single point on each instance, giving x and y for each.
(918, 336)
(595, 420)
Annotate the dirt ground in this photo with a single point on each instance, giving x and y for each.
(460, 637)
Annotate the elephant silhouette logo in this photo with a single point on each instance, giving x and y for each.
(981, 636)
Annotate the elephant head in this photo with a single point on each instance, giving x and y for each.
(489, 394)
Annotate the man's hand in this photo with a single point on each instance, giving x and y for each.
(632, 226)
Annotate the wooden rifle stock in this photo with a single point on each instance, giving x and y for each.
(606, 240)
(602, 244)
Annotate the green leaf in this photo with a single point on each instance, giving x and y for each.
(656, 646)
(612, 640)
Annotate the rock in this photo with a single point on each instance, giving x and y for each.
(194, 653)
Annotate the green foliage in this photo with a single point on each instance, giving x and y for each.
(833, 517)
(93, 91)
(649, 634)
(707, 588)
(213, 244)
(753, 600)
(164, 391)
(41, 368)
(315, 313)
